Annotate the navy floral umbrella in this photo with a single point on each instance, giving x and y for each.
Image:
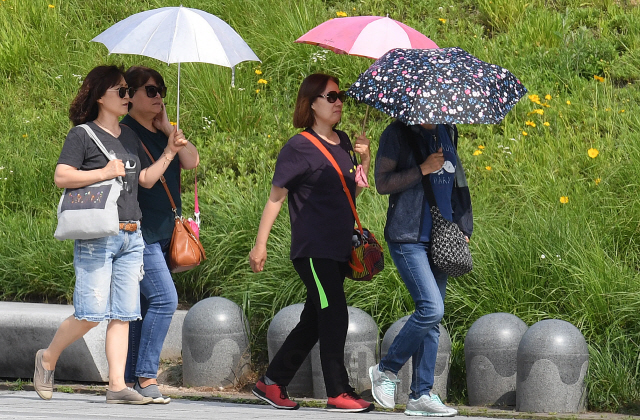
(438, 86)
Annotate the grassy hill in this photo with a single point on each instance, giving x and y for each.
(554, 187)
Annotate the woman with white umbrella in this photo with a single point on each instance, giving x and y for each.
(148, 119)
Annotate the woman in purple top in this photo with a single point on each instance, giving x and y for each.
(321, 230)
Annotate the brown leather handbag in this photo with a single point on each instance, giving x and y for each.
(185, 250)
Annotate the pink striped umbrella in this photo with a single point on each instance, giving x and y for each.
(365, 36)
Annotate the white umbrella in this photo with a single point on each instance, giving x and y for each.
(178, 35)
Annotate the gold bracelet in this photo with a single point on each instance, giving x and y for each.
(167, 156)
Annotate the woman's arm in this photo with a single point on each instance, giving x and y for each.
(361, 147)
(258, 255)
(67, 176)
(188, 155)
(149, 176)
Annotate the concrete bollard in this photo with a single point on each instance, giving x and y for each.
(441, 372)
(490, 352)
(553, 359)
(360, 352)
(215, 344)
(281, 325)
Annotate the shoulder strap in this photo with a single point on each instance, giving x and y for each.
(328, 155)
(162, 180)
(97, 141)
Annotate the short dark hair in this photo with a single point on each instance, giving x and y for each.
(85, 105)
(312, 86)
(137, 76)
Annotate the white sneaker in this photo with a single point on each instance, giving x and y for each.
(429, 405)
(383, 386)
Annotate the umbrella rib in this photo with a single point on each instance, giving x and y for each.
(154, 32)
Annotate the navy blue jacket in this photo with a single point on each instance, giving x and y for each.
(397, 174)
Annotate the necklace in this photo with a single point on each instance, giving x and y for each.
(104, 128)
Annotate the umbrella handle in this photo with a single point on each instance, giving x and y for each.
(364, 122)
(178, 105)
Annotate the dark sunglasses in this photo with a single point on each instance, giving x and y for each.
(333, 96)
(152, 91)
(122, 91)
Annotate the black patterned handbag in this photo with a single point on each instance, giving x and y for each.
(449, 248)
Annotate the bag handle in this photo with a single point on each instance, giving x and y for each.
(328, 155)
(164, 183)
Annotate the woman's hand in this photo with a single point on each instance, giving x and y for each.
(114, 168)
(176, 142)
(161, 122)
(433, 163)
(257, 258)
(361, 147)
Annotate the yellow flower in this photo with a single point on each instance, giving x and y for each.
(530, 123)
(547, 97)
(354, 8)
(257, 90)
(607, 109)
(546, 124)
(262, 82)
(546, 105)
(488, 168)
(622, 110)
(341, 14)
(564, 199)
(443, 20)
(524, 133)
(51, 6)
(534, 99)
(258, 71)
(477, 152)
(593, 153)
(537, 111)
(24, 136)
(268, 135)
(597, 181)
(480, 146)
(598, 78)
(568, 102)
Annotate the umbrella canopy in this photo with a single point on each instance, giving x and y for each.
(438, 86)
(178, 35)
(365, 36)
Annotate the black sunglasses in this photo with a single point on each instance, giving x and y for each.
(333, 96)
(152, 91)
(122, 91)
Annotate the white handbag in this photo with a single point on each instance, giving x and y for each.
(90, 212)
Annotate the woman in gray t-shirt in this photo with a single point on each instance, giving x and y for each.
(108, 269)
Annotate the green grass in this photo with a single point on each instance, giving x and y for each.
(589, 273)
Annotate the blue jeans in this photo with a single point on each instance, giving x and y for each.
(108, 271)
(419, 337)
(158, 301)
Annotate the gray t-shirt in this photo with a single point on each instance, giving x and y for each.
(81, 152)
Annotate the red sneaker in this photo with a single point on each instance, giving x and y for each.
(275, 395)
(349, 402)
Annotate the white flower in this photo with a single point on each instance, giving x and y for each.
(543, 256)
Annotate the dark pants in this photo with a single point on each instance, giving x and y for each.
(325, 318)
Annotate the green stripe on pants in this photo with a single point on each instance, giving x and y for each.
(323, 297)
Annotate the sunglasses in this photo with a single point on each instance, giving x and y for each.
(122, 91)
(152, 91)
(333, 96)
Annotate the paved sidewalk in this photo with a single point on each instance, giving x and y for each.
(27, 405)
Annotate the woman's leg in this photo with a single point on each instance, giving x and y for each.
(324, 280)
(116, 348)
(124, 304)
(159, 300)
(419, 335)
(68, 332)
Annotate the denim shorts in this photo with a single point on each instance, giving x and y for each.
(108, 273)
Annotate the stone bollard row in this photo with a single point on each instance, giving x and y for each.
(539, 369)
